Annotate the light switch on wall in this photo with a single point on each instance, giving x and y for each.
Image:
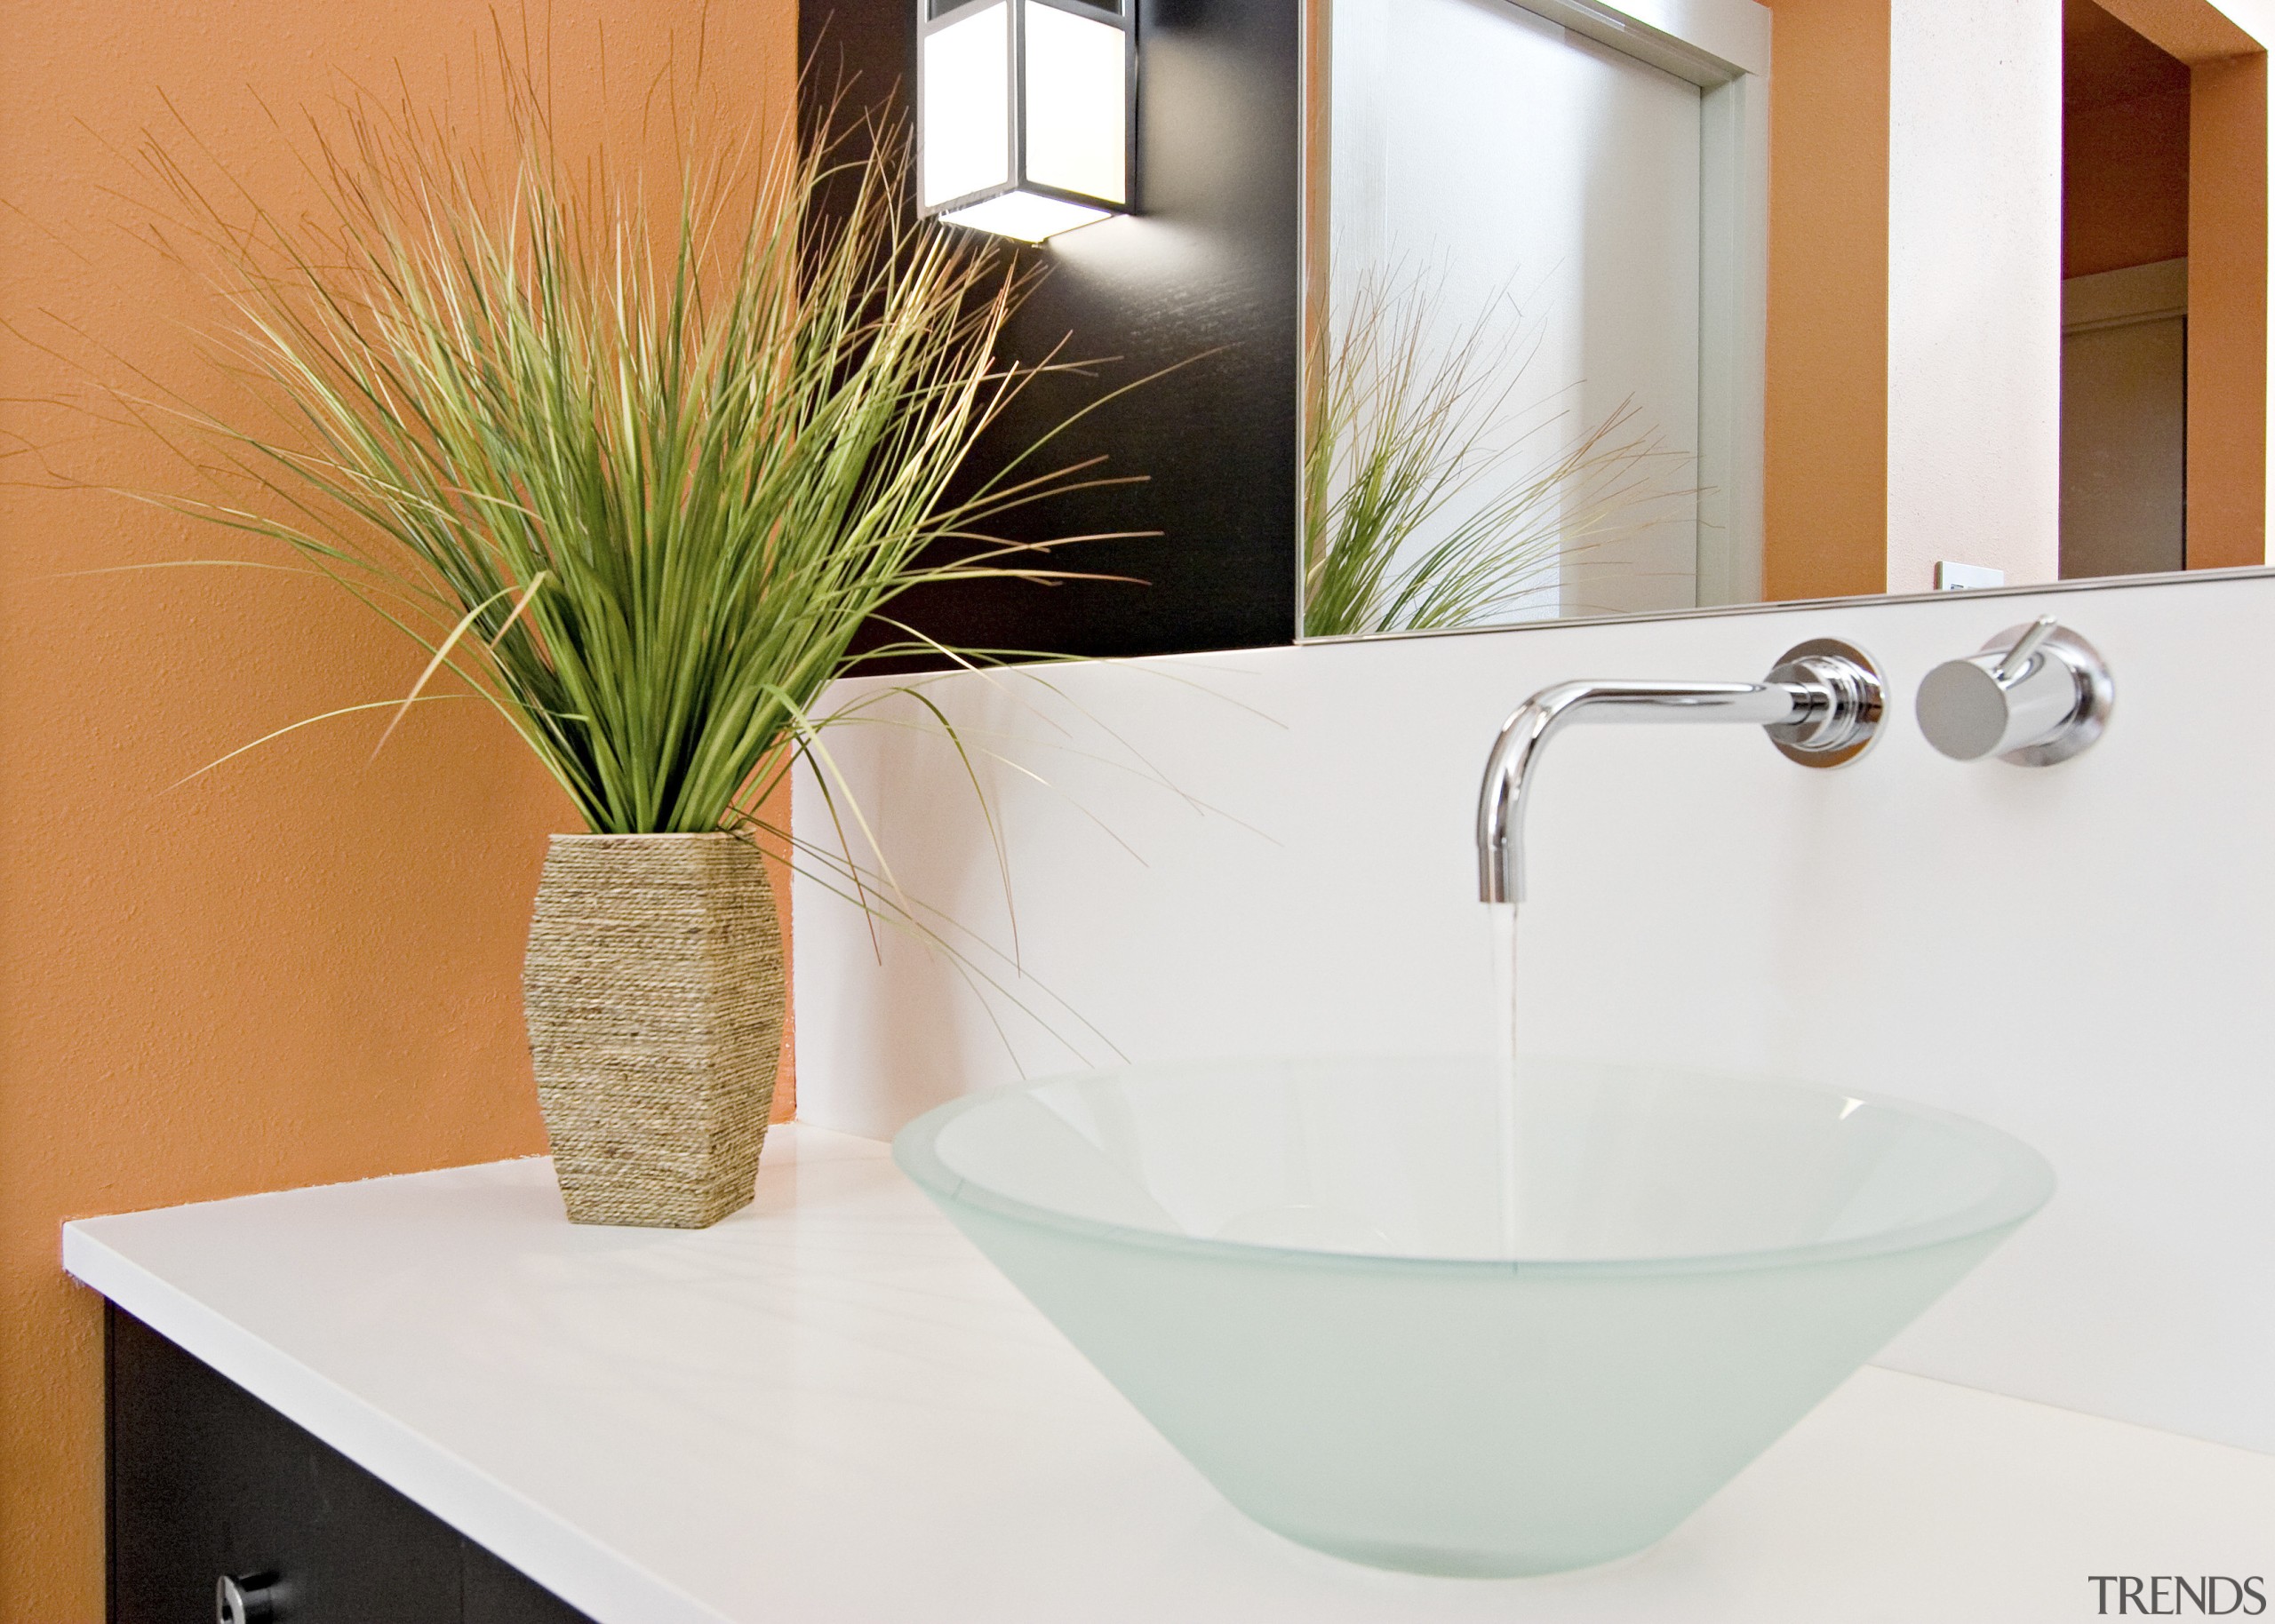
(1963, 577)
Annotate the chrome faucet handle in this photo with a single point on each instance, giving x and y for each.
(2033, 695)
(2017, 659)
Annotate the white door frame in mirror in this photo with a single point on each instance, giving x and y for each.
(1973, 290)
(1723, 47)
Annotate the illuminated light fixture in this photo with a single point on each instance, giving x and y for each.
(1023, 113)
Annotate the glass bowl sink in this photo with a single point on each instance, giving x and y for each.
(1378, 1335)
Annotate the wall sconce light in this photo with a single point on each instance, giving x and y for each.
(1024, 113)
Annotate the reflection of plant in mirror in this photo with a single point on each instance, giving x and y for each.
(1403, 427)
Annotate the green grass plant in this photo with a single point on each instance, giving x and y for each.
(635, 463)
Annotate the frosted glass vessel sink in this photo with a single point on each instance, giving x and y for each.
(1376, 1334)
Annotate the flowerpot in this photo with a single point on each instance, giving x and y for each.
(654, 993)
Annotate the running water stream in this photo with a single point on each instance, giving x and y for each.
(1504, 1051)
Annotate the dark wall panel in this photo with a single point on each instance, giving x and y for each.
(1204, 277)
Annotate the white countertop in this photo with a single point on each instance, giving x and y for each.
(830, 1410)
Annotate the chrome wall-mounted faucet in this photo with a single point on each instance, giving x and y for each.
(1821, 706)
(2034, 696)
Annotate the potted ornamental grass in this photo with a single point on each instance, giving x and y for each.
(645, 466)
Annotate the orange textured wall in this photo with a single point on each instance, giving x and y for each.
(2125, 183)
(2125, 118)
(1825, 508)
(2227, 273)
(2227, 313)
(303, 967)
(2193, 30)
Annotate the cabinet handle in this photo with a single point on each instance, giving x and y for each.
(247, 1598)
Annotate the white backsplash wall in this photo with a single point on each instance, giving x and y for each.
(2083, 954)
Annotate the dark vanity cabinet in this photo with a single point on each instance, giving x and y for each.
(208, 1483)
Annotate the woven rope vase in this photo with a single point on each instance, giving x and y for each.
(654, 993)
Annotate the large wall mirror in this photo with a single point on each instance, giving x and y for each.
(1690, 303)
(1494, 312)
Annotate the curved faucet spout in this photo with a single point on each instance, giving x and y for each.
(1516, 753)
(1821, 706)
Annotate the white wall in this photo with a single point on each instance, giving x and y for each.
(2084, 954)
(1975, 273)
